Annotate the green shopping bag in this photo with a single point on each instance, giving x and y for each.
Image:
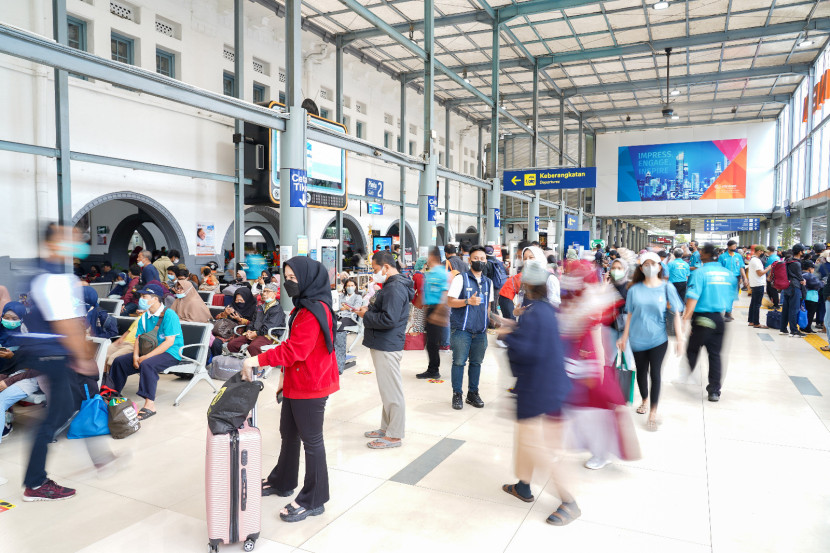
(625, 376)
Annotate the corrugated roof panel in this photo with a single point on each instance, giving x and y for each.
(783, 14)
(587, 80)
(601, 40)
(563, 45)
(698, 68)
(608, 67)
(753, 19)
(591, 24)
(614, 78)
(627, 19)
(553, 29)
(800, 56)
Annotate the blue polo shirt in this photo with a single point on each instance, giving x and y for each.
(713, 287)
(647, 307)
(771, 259)
(694, 262)
(170, 326)
(679, 271)
(436, 282)
(732, 262)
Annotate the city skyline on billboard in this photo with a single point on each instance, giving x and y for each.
(682, 171)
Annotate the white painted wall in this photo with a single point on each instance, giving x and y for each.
(759, 179)
(112, 121)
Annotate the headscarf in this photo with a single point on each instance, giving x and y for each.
(191, 308)
(537, 252)
(120, 289)
(315, 294)
(93, 313)
(5, 297)
(248, 309)
(572, 255)
(134, 255)
(18, 309)
(419, 264)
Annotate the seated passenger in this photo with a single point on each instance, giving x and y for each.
(241, 312)
(13, 380)
(265, 277)
(209, 281)
(107, 274)
(165, 355)
(122, 346)
(148, 272)
(188, 305)
(98, 322)
(119, 286)
(350, 303)
(268, 315)
(93, 274)
(131, 293)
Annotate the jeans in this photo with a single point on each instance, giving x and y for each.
(755, 305)
(812, 307)
(445, 336)
(790, 306)
(301, 420)
(709, 335)
(60, 406)
(737, 291)
(14, 393)
(827, 319)
(466, 345)
(148, 371)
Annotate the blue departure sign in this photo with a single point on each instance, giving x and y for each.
(432, 207)
(375, 209)
(731, 225)
(299, 188)
(550, 179)
(497, 218)
(570, 221)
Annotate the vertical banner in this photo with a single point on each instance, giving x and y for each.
(432, 207)
(497, 218)
(299, 188)
(205, 239)
(536, 224)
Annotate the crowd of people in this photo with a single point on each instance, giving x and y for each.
(569, 329)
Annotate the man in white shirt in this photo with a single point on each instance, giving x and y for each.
(757, 283)
(469, 296)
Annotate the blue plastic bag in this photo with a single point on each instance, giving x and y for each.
(91, 420)
(802, 316)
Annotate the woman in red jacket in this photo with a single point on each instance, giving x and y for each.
(310, 376)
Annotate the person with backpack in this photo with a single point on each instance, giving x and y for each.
(794, 291)
(811, 296)
(495, 271)
(770, 259)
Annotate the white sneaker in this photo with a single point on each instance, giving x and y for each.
(596, 463)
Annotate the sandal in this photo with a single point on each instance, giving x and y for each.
(145, 414)
(825, 348)
(384, 443)
(761, 327)
(641, 410)
(565, 514)
(511, 489)
(268, 489)
(296, 514)
(375, 434)
(651, 425)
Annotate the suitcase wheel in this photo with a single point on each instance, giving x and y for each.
(213, 548)
(248, 545)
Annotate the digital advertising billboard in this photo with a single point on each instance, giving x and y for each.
(710, 170)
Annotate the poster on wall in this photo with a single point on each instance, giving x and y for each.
(205, 239)
(709, 170)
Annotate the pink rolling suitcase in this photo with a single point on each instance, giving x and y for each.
(233, 486)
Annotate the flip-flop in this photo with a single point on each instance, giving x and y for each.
(565, 514)
(641, 410)
(825, 348)
(384, 443)
(511, 489)
(375, 434)
(145, 414)
(268, 489)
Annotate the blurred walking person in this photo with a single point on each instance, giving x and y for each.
(537, 361)
(436, 285)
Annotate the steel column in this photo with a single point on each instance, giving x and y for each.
(480, 174)
(447, 181)
(774, 228)
(427, 184)
(293, 144)
(239, 128)
(594, 222)
(533, 212)
(494, 195)
(617, 237)
(806, 234)
(338, 114)
(401, 146)
(64, 176)
(808, 143)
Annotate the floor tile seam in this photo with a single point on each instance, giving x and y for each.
(465, 496)
(708, 477)
(654, 534)
(789, 446)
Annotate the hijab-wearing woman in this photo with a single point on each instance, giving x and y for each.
(554, 294)
(619, 276)
(648, 299)
(13, 312)
(96, 317)
(119, 286)
(310, 376)
(188, 305)
(16, 382)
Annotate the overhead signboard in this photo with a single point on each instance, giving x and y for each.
(432, 207)
(731, 225)
(570, 221)
(375, 209)
(554, 178)
(374, 188)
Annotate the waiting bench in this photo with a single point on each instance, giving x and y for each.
(113, 307)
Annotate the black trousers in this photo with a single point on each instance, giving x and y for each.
(506, 305)
(302, 420)
(435, 335)
(755, 305)
(650, 361)
(681, 290)
(812, 308)
(709, 334)
(772, 292)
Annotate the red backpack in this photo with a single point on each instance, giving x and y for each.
(780, 280)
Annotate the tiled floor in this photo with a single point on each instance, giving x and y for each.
(747, 474)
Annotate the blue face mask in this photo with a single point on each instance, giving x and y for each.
(170, 277)
(180, 296)
(79, 250)
(140, 263)
(143, 304)
(120, 282)
(11, 325)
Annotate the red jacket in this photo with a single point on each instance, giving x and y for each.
(310, 370)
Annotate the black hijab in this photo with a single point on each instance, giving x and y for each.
(315, 290)
(248, 309)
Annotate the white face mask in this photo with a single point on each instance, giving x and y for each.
(651, 271)
(350, 290)
(379, 277)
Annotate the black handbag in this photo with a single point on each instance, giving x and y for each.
(235, 399)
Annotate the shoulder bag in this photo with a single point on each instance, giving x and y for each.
(149, 341)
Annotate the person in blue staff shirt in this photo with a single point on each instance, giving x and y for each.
(710, 292)
(165, 355)
(679, 272)
(694, 259)
(772, 291)
(733, 262)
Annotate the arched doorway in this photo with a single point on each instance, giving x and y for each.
(440, 236)
(353, 237)
(411, 245)
(262, 230)
(113, 221)
(471, 229)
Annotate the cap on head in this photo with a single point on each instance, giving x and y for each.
(153, 290)
(649, 256)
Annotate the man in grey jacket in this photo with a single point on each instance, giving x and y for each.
(384, 321)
